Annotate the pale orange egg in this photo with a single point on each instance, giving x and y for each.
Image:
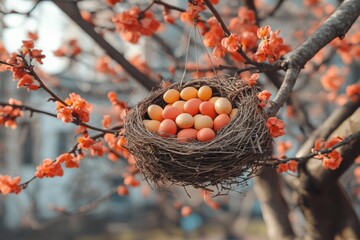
(171, 96)
(188, 93)
(205, 135)
(167, 128)
(167, 106)
(171, 113)
(184, 120)
(205, 93)
(203, 122)
(207, 108)
(155, 112)
(213, 100)
(223, 105)
(233, 113)
(192, 106)
(152, 125)
(221, 121)
(179, 104)
(187, 135)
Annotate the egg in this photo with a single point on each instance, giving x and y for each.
(179, 104)
(205, 135)
(167, 128)
(184, 120)
(171, 96)
(187, 135)
(233, 113)
(203, 122)
(223, 105)
(207, 108)
(167, 106)
(151, 125)
(155, 112)
(221, 121)
(197, 116)
(188, 93)
(204, 93)
(171, 113)
(192, 106)
(213, 100)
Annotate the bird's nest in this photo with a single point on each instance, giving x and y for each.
(237, 153)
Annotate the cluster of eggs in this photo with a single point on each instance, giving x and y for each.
(192, 114)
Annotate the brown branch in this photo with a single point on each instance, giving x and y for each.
(27, 108)
(90, 206)
(274, 10)
(319, 191)
(169, 6)
(335, 26)
(71, 9)
(329, 125)
(273, 205)
(73, 150)
(345, 141)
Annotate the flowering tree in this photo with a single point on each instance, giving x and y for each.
(234, 40)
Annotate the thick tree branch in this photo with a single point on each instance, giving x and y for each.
(273, 205)
(319, 192)
(335, 26)
(71, 9)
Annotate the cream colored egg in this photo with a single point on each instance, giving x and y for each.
(184, 120)
(151, 125)
(167, 106)
(179, 104)
(197, 116)
(155, 112)
(223, 105)
(203, 122)
(213, 100)
(233, 113)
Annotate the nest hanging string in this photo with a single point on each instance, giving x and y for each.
(186, 55)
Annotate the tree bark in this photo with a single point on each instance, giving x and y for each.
(273, 205)
(327, 209)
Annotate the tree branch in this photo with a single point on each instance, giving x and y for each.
(335, 26)
(71, 9)
(273, 205)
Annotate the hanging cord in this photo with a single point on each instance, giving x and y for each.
(186, 56)
(208, 55)
(196, 49)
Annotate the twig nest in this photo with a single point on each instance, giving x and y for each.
(234, 155)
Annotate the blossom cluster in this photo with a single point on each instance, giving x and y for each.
(132, 24)
(276, 127)
(330, 160)
(9, 114)
(76, 108)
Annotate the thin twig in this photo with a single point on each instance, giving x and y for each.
(345, 141)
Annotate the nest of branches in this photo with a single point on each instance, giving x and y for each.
(237, 153)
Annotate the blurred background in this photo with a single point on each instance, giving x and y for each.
(80, 205)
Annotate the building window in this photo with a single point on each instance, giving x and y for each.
(27, 132)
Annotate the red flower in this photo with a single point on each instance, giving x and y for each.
(275, 126)
(49, 168)
(9, 185)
